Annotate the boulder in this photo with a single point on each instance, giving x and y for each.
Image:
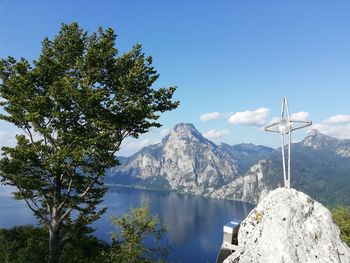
(290, 227)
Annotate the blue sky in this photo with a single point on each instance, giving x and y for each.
(226, 57)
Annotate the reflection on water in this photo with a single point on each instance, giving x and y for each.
(194, 223)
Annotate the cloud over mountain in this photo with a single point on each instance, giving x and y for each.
(256, 118)
(300, 116)
(337, 126)
(210, 116)
(215, 134)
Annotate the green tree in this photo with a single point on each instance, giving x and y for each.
(22, 244)
(75, 104)
(341, 216)
(139, 237)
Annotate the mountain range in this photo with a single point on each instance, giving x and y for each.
(187, 162)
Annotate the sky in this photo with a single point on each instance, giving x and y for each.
(232, 61)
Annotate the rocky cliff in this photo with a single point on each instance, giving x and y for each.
(248, 188)
(288, 226)
(187, 162)
(184, 161)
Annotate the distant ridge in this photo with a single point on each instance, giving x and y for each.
(187, 162)
(320, 141)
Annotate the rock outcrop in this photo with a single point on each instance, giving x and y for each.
(249, 188)
(288, 226)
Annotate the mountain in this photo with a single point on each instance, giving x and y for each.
(319, 141)
(302, 228)
(252, 186)
(187, 162)
(320, 167)
(184, 160)
(247, 154)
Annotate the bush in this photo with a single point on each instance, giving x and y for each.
(139, 237)
(23, 244)
(341, 216)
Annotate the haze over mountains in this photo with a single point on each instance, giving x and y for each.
(187, 162)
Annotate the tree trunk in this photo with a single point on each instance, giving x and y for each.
(55, 224)
(54, 244)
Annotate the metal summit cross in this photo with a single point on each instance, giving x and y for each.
(286, 126)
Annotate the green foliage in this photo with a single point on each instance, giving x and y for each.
(75, 104)
(138, 238)
(25, 244)
(82, 249)
(341, 216)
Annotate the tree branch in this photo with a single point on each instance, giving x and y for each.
(68, 194)
(83, 194)
(29, 133)
(36, 212)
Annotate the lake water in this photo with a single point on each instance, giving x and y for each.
(194, 223)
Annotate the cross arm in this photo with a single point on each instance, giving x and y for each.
(270, 129)
(304, 124)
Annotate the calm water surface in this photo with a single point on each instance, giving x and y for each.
(194, 223)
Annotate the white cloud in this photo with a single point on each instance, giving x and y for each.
(215, 134)
(210, 116)
(339, 118)
(337, 126)
(257, 117)
(300, 116)
(164, 132)
(131, 145)
(274, 120)
(136, 144)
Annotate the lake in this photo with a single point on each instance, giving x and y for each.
(194, 223)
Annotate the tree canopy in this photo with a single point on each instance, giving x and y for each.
(75, 104)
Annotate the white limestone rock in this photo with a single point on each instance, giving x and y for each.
(248, 188)
(185, 160)
(290, 227)
(192, 163)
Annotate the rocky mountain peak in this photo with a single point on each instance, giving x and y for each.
(185, 132)
(289, 226)
(317, 140)
(181, 127)
(187, 162)
(184, 160)
(320, 141)
(314, 133)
